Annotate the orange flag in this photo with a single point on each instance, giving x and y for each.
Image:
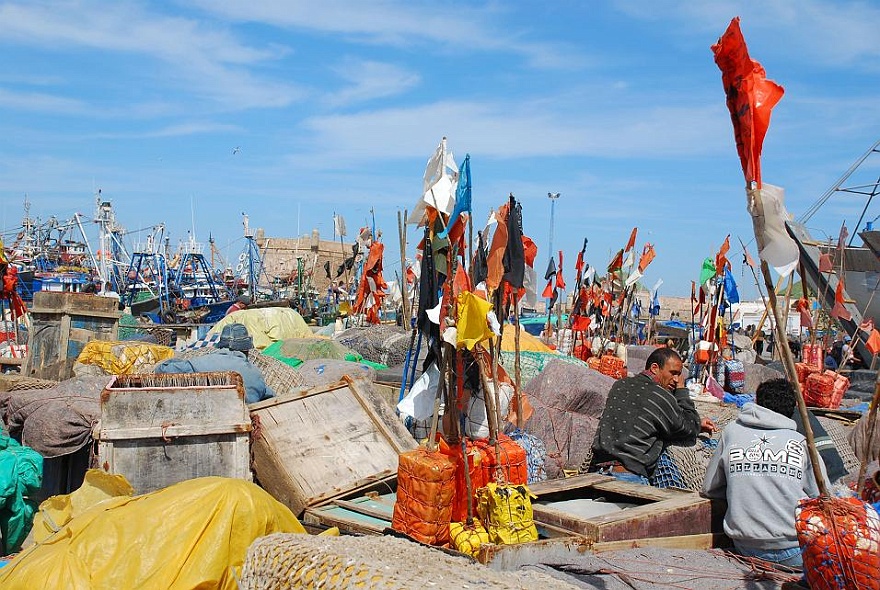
(560, 282)
(750, 98)
(632, 240)
(873, 342)
(616, 262)
(648, 255)
(839, 311)
(721, 261)
(825, 264)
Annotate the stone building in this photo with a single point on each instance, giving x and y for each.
(280, 259)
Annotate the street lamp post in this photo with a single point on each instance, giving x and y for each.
(552, 197)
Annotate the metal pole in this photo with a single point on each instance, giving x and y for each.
(552, 197)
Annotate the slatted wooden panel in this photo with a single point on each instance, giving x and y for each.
(157, 436)
(315, 446)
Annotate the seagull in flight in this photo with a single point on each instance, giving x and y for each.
(236, 150)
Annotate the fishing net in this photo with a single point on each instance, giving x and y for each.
(131, 328)
(840, 542)
(838, 433)
(536, 454)
(757, 374)
(288, 561)
(568, 399)
(280, 377)
(306, 349)
(320, 372)
(532, 363)
(56, 421)
(379, 344)
(30, 383)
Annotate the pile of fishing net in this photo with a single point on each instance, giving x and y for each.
(568, 401)
(840, 542)
(55, 421)
(131, 328)
(387, 345)
(320, 372)
(130, 357)
(279, 376)
(294, 351)
(285, 561)
(532, 363)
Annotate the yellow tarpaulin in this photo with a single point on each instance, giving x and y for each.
(267, 324)
(123, 358)
(184, 537)
(526, 341)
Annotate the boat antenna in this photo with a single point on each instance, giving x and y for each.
(814, 208)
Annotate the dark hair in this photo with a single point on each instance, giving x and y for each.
(777, 395)
(660, 356)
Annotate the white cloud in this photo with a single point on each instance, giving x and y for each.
(370, 80)
(38, 101)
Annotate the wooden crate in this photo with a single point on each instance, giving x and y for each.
(62, 324)
(158, 430)
(314, 446)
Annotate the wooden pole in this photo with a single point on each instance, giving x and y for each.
(401, 235)
(872, 422)
(520, 421)
(757, 214)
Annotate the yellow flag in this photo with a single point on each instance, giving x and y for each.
(473, 327)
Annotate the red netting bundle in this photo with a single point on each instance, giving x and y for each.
(425, 489)
(612, 366)
(840, 542)
(813, 355)
(819, 390)
(803, 371)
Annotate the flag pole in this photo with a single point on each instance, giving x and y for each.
(404, 295)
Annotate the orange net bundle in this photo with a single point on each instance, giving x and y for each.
(819, 390)
(813, 355)
(840, 542)
(478, 458)
(509, 464)
(425, 490)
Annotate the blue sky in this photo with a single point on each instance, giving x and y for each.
(336, 106)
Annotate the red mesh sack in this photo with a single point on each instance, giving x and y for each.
(840, 542)
(425, 489)
(478, 458)
(841, 384)
(819, 390)
(803, 371)
(593, 362)
(812, 354)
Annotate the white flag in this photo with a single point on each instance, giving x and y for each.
(779, 251)
(631, 279)
(656, 288)
(338, 225)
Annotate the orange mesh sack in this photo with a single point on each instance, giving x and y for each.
(593, 362)
(478, 459)
(425, 489)
(511, 458)
(612, 366)
(819, 390)
(840, 542)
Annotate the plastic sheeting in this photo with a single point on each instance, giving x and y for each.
(21, 474)
(267, 324)
(186, 536)
(123, 358)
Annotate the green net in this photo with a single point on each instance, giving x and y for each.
(532, 363)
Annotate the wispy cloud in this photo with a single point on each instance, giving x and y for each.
(369, 80)
(206, 60)
(38, 101)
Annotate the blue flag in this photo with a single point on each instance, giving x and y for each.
(730, 292)
(462, 195)
(655, 304)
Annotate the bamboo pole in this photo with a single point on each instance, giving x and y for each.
(520, 422)
(757, 214)
(401, 236)
(872, 422)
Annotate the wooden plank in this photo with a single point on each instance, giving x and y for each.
(381, 414)
(347, 522)
(699, 541)
(568, 483)
(173, 431)
(635, 490)
(294, 395)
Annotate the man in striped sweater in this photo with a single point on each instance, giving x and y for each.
(644, 414)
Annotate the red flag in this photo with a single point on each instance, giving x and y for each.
(749, 260)
(867, 325)
(616, 262)
(806, 319)
(825, 263)
(560, 282)
(548, 290)
(721, 261)
(750, 98)
(579, 263)
(647, 256)
(873, 342)
(839, 311)
(580, 323)
(632, 240)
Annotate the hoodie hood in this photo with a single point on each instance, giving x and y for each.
(754, 416)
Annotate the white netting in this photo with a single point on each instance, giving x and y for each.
(378, 344)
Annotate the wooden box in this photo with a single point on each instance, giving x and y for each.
(62, 324)
(158, 430)
(314, 446)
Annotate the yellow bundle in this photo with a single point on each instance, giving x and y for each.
(468, 539)
(506, 510)
(123, 357)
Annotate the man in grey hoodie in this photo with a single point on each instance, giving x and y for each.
(762, 469)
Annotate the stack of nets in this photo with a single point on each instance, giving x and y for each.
(281, 378)
(320, 372)
(568, 399)
(286, 561)
(130, 328)
(306, 349)
(838, 433)
(58, 420)
(386, 345)
(532, 363)
(685, 467)
(757, 374)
